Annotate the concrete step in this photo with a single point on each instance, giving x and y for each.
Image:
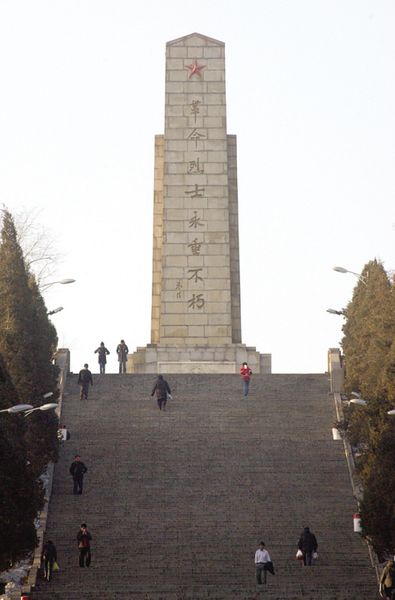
(178, 500)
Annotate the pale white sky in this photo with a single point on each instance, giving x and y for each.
(311, 97)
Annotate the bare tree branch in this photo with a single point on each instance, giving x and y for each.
(39, 247)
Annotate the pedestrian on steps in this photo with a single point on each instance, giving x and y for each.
(49, 557)
(387, 581)
(77, 471)
(308, 545)
(162, 390)
(122, 351)
(84, 545)
(102, 352)
(263, 564)
(245, 374)
(84, 379)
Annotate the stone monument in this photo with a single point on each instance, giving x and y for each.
(195, 322)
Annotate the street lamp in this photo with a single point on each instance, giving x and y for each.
(332, 311)
(54, 311)
(17, 408)
(343, 270)
(358, 401)
(49, 406)
(61, 281)
(28, 408)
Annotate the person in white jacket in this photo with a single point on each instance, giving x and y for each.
(261, 559)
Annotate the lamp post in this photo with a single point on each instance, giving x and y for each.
(357, 401)
(44, 407)
(28, 408)
(332, 311)
(54, 311)
(17, 408)
(61, 281)
(358, 275)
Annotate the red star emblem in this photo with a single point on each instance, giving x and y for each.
(195, 69)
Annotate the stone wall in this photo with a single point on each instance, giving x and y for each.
(335, 370)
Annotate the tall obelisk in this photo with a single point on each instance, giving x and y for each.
(195, 324)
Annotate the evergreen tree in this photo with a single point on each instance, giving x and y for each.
(21, 495)
(388, 372)
(27, 341)
(377, 507)
(16, 314)
(368, 331)
(369, 349)
(42, 427)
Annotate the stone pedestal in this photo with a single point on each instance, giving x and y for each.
(197, 359)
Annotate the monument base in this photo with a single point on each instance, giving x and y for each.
(160, 358)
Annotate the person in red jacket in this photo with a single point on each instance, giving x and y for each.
(245, 373)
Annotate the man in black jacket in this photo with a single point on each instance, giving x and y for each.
(77, 471)
(84, 379)
(308, 545)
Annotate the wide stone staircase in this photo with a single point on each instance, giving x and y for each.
(178, 501)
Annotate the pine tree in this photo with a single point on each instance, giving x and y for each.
(388, 371)
(369, 349)
(368, 331)
(377, 507)
(16, 314)
(42, 427)
(27, 341)
(21, 495)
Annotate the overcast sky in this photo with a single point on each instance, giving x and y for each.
(311, 98)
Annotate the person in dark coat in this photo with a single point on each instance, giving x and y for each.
(84, 545)
(308, 545)
(48, 556)
(122, 351)
(102, 352)
(162, 389)
(84, 379)
(77, 471)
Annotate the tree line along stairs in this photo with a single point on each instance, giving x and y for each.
(177, 501)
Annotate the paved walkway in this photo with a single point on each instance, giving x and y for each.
(177, 501)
